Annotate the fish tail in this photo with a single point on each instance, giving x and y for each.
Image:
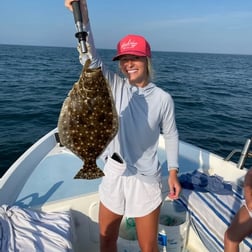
(90, 172)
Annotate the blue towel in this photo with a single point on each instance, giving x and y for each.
(203, 183)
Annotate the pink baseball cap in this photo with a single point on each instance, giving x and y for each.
(134, 45)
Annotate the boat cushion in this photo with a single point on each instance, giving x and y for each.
(23, 229)
(212, 207)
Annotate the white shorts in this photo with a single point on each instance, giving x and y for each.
(132, 195)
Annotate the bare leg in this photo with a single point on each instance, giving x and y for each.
(109, 224)
(147, 229)
(240, 227)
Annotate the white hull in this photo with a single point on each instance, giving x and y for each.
(42, 178)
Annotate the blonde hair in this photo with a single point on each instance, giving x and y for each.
(150, 71)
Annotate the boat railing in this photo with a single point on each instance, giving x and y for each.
(245, 153)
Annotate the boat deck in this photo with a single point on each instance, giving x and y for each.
(44, 180)
(53, 177)
(52, 180)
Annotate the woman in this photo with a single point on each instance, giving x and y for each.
(132, 182)
(241, 225)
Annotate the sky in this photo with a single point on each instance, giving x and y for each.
(211, 26)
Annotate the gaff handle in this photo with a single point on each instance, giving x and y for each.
(81, 34)
(76, 12)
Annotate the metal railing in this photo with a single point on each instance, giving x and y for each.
(245, 153)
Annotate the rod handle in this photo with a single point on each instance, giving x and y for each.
(77, 12)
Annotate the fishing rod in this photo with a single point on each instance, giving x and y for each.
(81, 34)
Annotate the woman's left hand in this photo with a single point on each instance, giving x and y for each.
(174, 185)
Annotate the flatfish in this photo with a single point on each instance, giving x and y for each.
(88, 120)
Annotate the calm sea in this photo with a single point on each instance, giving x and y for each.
(212, 94)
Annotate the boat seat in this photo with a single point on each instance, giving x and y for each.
(211, 212)
(23, 229)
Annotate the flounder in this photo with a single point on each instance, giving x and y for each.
(88, 120)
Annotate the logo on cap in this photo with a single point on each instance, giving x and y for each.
(129, 45)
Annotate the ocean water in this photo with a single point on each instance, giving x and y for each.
(212, 95)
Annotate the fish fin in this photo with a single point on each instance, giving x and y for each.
(91, 172)
(87, 64)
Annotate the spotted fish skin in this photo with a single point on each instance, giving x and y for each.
(88, 120)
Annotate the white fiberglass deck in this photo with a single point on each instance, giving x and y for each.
(53, 180)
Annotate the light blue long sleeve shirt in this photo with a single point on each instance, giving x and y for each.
(143, 114)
